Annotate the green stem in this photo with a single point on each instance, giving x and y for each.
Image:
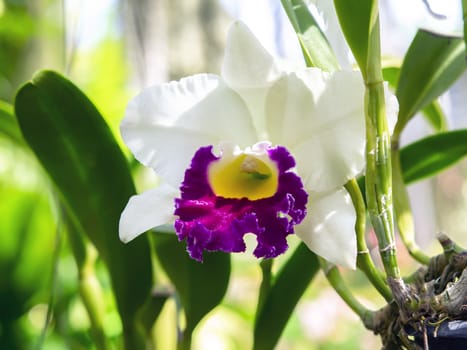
(335, 279)
(185, 341)
(89, 287)
(133, 336)
(364, 261)
(266, 267)
(378, 154)
(92, 296)
(378, 166)
(402, 210)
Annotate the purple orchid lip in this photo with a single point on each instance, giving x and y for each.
(209, 221)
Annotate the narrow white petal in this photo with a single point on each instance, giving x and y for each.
(166, 124)
(329, 228)
(147, 210)
(247, 64)
(320, 117)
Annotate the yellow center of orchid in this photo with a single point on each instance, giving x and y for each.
(244, 176)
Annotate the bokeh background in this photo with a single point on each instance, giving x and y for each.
(112, 49)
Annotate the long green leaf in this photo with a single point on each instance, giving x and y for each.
(432, 64)
(433, 112)
(290, 284)
(315, 46)
(355, 20)
(80, 154)
(435, 116)
(201, 286)
(432, 154)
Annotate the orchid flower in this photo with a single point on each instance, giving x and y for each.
(259, 149)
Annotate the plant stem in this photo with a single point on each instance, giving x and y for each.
(378, 165)
(92, 296)
(335, 279)
(364, 261)
(402, 210)
(185, 341)
(266, 267)
(89, 287)
(378, 154)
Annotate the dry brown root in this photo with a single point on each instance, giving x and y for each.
(438, 295)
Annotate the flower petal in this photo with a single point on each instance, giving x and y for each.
(215, 223)
(250, 70)
(320, 117)
(147, 210)
(247, 64)
(165, 124)
(329, 228)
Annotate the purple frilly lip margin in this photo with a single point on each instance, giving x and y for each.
(213, 223)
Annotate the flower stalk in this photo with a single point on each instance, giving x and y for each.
(265, 287)
(364, 261)
(335, 279)
(185, 341)
(89, 287)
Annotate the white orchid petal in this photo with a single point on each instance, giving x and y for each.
(329, 159)
(250, 70)
(329, 228)
(320, 117)
(147, 210)
(246, 63)
(166, 124)
(167, 150)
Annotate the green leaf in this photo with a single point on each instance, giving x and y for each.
(80, 154)
(356, 23)
(315, 46)
(391, 75)
(432, 154)
(432, 64)
(435, 116)
(8, 126)
(433, 112)
(201, 286)
(290, 284)
(27, 236)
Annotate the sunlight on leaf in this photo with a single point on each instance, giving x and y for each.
(78, 151)
(432, 64)
(315, 47)
(432, 154)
